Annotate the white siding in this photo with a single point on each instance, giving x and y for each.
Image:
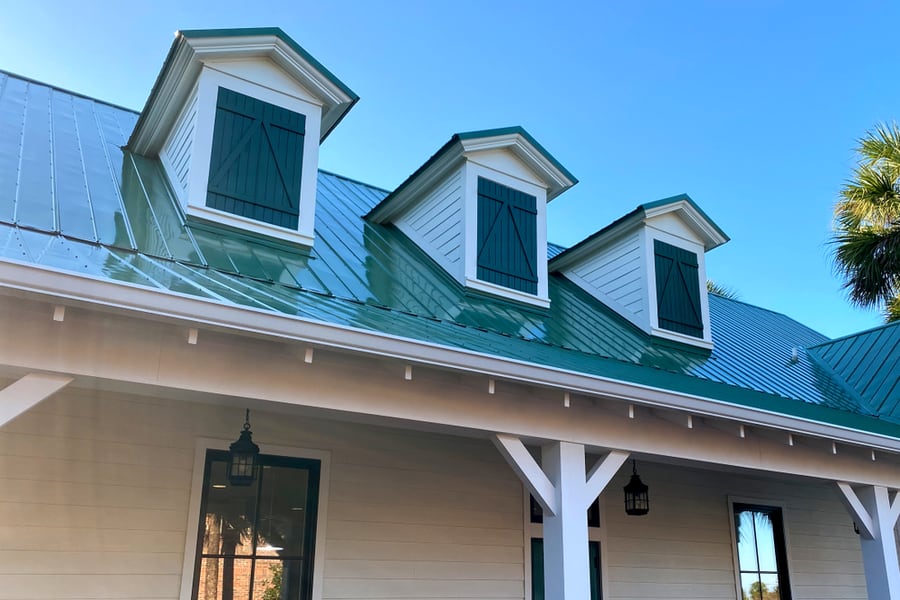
(94, 494)
(176, 153)
(683, 548)
(435, 224)
(616, 277)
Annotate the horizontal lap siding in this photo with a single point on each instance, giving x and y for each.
(94, 494)
(616, 274)
(177, 151)
(683, 548)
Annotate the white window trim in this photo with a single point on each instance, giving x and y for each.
(536, 530)
(471, 172)
(193, 198)
(780, 504)
(193, 521)
(653, 310)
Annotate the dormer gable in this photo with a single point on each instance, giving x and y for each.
(236, 117)
(478, 207)
(649, 266)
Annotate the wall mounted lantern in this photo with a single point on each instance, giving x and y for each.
(243, 457)
(637, 498)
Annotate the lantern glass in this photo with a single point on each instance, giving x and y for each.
(243, 457)
(637, 496)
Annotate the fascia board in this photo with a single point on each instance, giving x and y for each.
(703, 227)
(183, 66)
(555, 179)
(412, 190)
(53, 285)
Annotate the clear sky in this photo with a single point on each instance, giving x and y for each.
(752, 107)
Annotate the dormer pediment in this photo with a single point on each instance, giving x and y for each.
(236, 117)
(478, 207)
(649, 266)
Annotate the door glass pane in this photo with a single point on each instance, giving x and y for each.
(746, 541)
(283, 511)
(750, 586)
(230, 514)
(765, 541)
(277, 580)
(224, 579)
(769, 587)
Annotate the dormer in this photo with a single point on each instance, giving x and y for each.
(649, 266)
(236, 117)
(478, 207)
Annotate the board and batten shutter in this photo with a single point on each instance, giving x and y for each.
(507, 237)
(678, 290)
(256, 160)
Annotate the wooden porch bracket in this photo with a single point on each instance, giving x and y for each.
(529, 472)
(21, 395)
(602, 473)
(876, 512)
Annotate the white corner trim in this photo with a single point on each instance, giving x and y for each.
(192, 529)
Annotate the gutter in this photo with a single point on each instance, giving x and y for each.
(53, 285)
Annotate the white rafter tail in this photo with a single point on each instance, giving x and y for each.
(834, 447)
(873, 456)
(59, 313)
(631, 411)
(602, 473)
(529, 472)
(742, 431)
(407, 375)
(26, 392)
(567, 400)
(861, 516)
(492, 386)
(308, 355)
(790, 440)
(192, 336)
(690, 421)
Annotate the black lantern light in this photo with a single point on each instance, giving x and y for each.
(243, 457)
(637, 499)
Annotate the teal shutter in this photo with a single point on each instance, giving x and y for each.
(507, 237)
(678, 290)
(256, 160)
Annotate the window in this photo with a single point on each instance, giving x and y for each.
(537, 550)
(507, 237)
(256, 542)
(678, 290)
(256, 160)
(761, 553)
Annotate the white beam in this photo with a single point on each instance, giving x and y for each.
(21, 395)
(601, 474)
(877, 513)
(529, 472)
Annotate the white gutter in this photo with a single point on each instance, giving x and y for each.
(54, 285)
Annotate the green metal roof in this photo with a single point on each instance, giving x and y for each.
(71, 198)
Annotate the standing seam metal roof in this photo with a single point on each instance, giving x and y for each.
(71, 198)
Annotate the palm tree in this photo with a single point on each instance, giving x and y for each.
(720, 290)
(867, 223)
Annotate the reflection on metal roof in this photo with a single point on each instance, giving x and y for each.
(71, 198)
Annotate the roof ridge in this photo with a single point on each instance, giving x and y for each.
(67, 91)
(356, 181)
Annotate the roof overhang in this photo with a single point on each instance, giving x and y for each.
(465, 146)
(194, 48)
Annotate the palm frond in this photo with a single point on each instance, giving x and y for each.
(720, 290)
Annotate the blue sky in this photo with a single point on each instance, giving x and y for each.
(752, 107)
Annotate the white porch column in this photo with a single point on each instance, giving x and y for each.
(21, 395)
(565, 492)
(876, 513)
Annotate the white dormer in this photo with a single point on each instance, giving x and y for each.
(478, 207)
(649, 266)
(236, 117)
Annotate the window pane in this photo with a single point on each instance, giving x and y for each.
(224, 578)
(230, 514)
(746, 541)
(769, 587)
